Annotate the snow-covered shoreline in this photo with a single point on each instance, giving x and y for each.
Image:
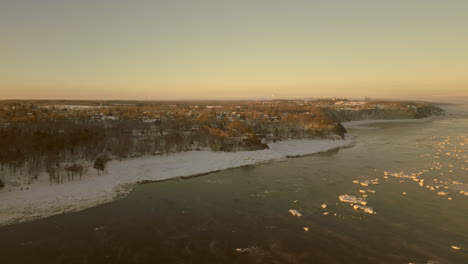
(41, 199)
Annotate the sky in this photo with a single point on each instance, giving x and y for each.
(238, 49)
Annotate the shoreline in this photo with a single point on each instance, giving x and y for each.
(41, 199)
(361, 124)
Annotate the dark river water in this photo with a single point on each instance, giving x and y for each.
(242, 215)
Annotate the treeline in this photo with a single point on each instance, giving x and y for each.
(31, 148)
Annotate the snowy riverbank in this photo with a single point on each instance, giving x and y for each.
(40, 199)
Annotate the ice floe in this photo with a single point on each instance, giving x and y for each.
(251, 250)
(295, 212)
(350, 199)
(366, 209)
(365, 183)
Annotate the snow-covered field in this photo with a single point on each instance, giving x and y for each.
(41, 199)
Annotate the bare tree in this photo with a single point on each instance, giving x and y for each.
(99, 165)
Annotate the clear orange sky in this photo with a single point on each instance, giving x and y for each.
(216, 49)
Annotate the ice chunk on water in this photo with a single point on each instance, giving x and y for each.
(350, 199)
(324, 206)
(442, 193)
(295, 212)
(356, 203)
(366, 209)
(252, 250)
(365, 183)
(401, 175)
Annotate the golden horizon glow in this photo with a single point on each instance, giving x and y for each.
(233, 49)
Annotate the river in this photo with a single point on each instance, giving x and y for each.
(242, 215)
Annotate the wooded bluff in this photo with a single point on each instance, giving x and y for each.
(65, 138)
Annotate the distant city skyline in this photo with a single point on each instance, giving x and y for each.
(207, 49)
